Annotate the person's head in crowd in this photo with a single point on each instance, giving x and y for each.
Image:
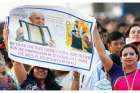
(6, 82)
(1, 28)
(122, 26)
(137, 20)
(111, 25)
(115, 41)
(2, 64)
(6, 58)
(37, 18)
(133, 30)
(1, 35)
(129, 19)
(45, 76)
(39, 72)
(129, 56)
(103, 33)
(103, 19)
(2, 46)
(133, 35)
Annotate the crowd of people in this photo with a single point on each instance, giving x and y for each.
(115, 64)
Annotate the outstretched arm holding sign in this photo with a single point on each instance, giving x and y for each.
(18, 67)
(106, 60)
(39, 78)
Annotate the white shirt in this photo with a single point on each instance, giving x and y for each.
(88, 79)
(65, 81)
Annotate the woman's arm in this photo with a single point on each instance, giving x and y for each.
(19, 69)
(106, 60)
(75, 82)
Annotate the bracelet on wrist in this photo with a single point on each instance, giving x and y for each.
(76, 79)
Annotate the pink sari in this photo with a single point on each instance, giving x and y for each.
(121, 83)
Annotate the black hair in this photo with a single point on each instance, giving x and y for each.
(111, 20)
(6, 57)
(133, 47)
(1, 26)
(129, 28)
(103, 33)
(50, 83)
(3, 49)
(1, 30)
(137, 19)
(99, 26)
(122, 24)
(115, 35)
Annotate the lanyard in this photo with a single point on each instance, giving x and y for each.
(128, 84)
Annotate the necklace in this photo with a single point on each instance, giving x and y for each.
(132, 85)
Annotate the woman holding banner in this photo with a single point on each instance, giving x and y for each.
(39, 78)
(125, 77)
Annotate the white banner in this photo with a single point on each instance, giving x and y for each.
(51, 37)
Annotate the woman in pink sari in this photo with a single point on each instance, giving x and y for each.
(126, 77)
(128, 82)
